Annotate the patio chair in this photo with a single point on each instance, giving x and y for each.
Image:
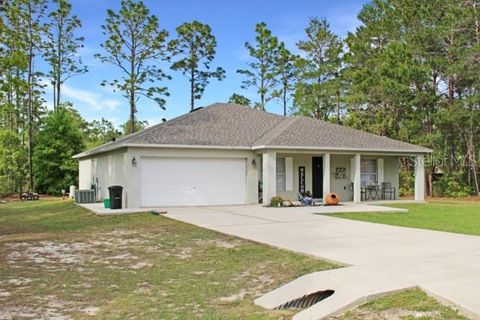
(363, 193)
(388, 189)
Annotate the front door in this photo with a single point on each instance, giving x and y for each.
(317, 177)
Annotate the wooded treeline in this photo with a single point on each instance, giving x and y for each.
(409, 72)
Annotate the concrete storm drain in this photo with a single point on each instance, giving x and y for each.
(307, 300)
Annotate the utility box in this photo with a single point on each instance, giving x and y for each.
(115, 197)
(85, 196)
(72, 191)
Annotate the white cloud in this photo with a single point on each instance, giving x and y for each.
(49, 104)
(93, 100)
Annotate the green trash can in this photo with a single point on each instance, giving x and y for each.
(106, 203)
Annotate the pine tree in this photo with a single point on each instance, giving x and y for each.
(316, 92)
(62, 47)
(195, 45)
(261, 73)
(135, 45)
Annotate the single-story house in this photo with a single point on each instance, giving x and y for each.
(227, 154)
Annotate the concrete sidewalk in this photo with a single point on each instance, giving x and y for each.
(99, 209)
(380, 258)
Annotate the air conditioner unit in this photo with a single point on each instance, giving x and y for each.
(85, 196)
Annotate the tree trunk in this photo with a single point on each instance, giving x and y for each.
(451, 92)
(192, 88)
(57, 74)
(473, 157)
(285, 99)
(132, 86)
(54, 95)
(58, 84)
(430, 185)
(338, 107)
(30, 102)
(262, 93)
(132, 111)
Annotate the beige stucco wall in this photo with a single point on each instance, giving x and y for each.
(85, 174)
(299, 160)
(391, 168)
(341, 186)
(104, 170)
(115, 168)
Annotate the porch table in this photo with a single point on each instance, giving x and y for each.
(371, 192)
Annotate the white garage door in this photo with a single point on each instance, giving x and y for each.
(192, 181)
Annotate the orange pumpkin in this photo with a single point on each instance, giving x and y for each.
(332, 199)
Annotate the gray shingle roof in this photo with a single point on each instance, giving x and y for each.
(308, 132)
(235, 126)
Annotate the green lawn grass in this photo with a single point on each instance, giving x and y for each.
(52, 216)
(450, 216)
(408, 304)
(58, 260)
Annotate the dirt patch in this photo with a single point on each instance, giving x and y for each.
(184, 253)
(4, 294)
(114, 250)
(390, 314)
(221, 243)
(48, 252)
(235, 297)
(258, 285)
(46, 307)
(140, 265)
(91, 311)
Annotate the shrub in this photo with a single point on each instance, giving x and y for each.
(406, 183)
(59, 139)
(276, 202)
(451, 185)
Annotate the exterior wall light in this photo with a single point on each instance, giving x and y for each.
(134, 162)
(254, 162)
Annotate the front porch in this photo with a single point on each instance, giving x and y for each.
(355, 177)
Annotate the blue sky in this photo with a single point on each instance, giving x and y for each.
(232, 22)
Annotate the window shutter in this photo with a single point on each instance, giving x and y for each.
(280, 174)
(289, 173)
(380, 168)
(352, 170)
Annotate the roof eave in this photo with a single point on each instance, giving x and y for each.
(344, 149)
(254, 148)
(92, 152)
(171, 146)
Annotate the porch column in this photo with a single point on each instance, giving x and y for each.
(269, 168)
(357, 196)
(419, 178)
(326, 175)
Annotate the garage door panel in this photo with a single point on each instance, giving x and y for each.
(192, 181)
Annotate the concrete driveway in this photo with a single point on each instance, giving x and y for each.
(379, 258)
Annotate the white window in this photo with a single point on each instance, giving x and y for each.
(368, 172)
(281, 181)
